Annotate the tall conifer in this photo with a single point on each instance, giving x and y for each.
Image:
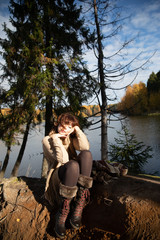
(43, 59)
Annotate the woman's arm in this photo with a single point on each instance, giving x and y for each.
(61, 153)
(80, 142)
(54, 150)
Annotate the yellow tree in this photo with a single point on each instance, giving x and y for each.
(140, 98)
(127, 101)
(135, 100)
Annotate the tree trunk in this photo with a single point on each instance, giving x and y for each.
(49, 112)
(48, 127)
(47, 30)
(5, 163)
(48, 115)
(14, 172)
(104, 137)
(44, 168)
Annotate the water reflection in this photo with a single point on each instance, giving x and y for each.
(32, 160)
(146, 129)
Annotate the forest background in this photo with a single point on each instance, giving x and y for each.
(45, 71)
(139, 99)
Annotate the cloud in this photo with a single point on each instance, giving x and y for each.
(2, 21)
(4, 17)
(144, 25)
(4, 5)
(147, 17)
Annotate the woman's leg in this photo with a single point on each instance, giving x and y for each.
(69, 173)
(85, 162)
(84, 183)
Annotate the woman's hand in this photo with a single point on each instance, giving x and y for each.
(65, 131)
(75, 129)
(60, 135)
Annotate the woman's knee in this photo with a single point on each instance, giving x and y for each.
(86, 154)
(73, 165)
(85, 161)
(69, 169)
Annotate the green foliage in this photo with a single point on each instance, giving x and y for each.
(140, 99)
(43, 58)
(128, 151)
(153, 83)
(153, 87)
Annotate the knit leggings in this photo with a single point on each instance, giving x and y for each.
(69, 172)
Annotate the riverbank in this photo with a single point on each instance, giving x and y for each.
(31, 164)
(154, 114)
(125, 208)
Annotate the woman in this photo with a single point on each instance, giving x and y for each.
(69, 173)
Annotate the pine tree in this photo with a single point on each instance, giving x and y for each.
(152, 83)
(153, 87)
(128, 151)
(43, 60)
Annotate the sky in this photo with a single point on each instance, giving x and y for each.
(144, 25)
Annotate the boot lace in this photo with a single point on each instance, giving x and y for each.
(65, 211)
(82, 201)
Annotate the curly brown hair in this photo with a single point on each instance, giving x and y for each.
(65, 119)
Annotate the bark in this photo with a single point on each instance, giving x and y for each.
(5, 163)
(48, 116)
(44, 168)
(49, 112)
(21, 152)
(104, 137)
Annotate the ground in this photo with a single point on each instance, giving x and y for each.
(126, 208)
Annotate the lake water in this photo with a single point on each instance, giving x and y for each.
(146, 129)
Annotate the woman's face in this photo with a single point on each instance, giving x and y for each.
(65, 129)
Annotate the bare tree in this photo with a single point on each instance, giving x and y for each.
(103, 106)
(106, 22)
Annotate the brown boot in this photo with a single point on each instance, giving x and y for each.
(82, 199)
(66, 193)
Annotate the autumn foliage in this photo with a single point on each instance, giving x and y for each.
(141, 99)
(135, 100)
(90, 110)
